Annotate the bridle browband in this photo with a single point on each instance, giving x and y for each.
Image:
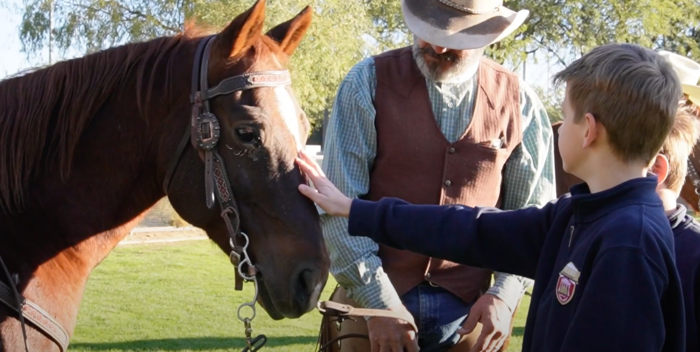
(203, 135)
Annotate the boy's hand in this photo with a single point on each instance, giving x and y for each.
(329, 198)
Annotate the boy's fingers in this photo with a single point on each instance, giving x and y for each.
(310, 193)
(307, 169)
(312, 162)
(303, 155)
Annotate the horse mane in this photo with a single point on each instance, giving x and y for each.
(43, 113)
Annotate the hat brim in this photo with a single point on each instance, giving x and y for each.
(442, 25)
(693, 93)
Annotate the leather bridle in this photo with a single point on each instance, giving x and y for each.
(203, 135)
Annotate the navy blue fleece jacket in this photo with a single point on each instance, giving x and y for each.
(603, 263)
(686, 233)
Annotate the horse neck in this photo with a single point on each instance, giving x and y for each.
(67, 227)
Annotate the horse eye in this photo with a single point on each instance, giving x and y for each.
(248, 135)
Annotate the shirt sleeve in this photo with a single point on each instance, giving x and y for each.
(506, 241)
(349, 150)
(528, 180)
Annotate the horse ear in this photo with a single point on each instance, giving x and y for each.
(290, 33)
(242, 32)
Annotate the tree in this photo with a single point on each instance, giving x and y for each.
(344, 32)
(332, 44)
(685, 38)
(552, 103)
(573, 27)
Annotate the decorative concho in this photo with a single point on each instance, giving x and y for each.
(208, 131)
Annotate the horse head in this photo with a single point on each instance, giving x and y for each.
(245, 102)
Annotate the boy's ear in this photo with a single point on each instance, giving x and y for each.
(660, 168)
(592, 130)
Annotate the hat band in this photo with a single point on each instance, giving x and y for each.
(468, 10)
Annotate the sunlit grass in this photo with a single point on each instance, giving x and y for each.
(181, 297)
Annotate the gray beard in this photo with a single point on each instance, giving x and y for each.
(461, 70)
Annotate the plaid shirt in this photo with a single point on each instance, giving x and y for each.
(349, 151)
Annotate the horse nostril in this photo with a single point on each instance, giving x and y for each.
(306, 281)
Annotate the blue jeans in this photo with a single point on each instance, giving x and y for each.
(438, 315)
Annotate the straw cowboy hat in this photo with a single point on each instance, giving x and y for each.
(688, 72)
(461, 24)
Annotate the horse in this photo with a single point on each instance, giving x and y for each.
(689, 192)
(90, 144)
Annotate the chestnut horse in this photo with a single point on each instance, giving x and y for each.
(87, 145)
(689, 192)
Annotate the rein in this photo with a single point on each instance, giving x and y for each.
(26, 309)
(203, 135)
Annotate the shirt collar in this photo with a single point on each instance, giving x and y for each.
(676, 218)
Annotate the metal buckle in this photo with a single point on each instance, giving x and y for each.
(208, 131)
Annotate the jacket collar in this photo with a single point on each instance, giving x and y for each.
(591, 206)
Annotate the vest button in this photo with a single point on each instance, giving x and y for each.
(451, 150)
(448, 183)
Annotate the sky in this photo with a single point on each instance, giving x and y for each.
(13, 60)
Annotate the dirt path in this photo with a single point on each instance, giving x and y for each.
(150, 234)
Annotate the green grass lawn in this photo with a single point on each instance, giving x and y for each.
(181, 297)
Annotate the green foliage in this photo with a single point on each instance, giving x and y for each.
(92, 25)
(567, 29)
(552, 103)
(343, 32)
(332, 44)
(685, 37)
(390, 30)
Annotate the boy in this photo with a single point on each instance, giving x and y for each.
(671, 167)
(602, 257)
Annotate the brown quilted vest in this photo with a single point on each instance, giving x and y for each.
(415, 161)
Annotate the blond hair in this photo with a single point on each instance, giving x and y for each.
(631, 90)
(679, 144)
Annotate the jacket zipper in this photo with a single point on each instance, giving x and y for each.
(571, 235)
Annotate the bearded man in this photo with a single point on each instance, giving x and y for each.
(434, 123)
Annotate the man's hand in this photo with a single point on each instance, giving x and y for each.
(326, 195)
(495, 317)
(392, 335)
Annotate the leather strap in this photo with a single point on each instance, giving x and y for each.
(203, 133)
(183, 142)
(37, 316)
(344, 311)
(244, 81)
(331, 308)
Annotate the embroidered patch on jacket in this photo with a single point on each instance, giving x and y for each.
(566, 284)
